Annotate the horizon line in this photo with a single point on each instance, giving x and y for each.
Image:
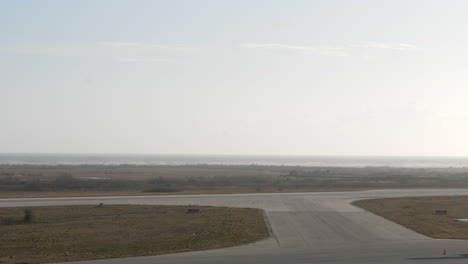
(233, 155)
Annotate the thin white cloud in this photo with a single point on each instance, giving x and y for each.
(345, 50)
(382, 45)
(313, 50)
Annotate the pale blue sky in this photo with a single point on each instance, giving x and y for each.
(234, 77)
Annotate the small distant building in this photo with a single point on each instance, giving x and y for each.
(440, 212)
(193, 211)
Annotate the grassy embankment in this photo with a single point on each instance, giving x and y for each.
(67, 233)
(416, 213)
(103, 180)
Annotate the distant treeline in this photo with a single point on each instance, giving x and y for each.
(61, 183)
(222, 178)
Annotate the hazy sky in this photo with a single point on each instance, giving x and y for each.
(235, 77)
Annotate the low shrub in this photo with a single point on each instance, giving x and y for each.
(28, 216)
(10, 220)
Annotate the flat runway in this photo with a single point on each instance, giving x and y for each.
(307, 228)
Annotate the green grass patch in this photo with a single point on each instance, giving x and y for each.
(70, 233)
(417, 213)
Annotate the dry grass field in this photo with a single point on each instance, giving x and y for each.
(117, 180)
(417, 213)
(67, 233)
(51, 194)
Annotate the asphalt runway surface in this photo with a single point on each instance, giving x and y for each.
(306, 228)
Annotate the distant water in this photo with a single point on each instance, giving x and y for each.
(332, 161)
